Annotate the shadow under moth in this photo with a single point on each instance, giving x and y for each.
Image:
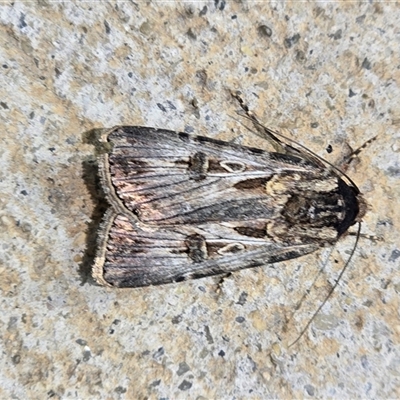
(185, 207)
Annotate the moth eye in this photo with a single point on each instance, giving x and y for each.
(232, 166)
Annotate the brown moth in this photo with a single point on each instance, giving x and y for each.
(185, 207)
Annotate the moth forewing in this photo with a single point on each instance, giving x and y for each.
(185, 207)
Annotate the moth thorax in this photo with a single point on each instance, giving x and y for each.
(335, 209)
(313, 209)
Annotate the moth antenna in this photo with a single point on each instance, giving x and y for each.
(332, 288)
(278, 144)
(361, 235)
(300, 302)
(314, 156)
(320, 161)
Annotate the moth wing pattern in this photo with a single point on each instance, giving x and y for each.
(185, 206)
(135, 255)
(169, 178)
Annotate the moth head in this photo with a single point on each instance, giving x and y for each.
(354, 206)
(363, 207)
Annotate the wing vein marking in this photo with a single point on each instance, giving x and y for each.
(156, 157)
(179, 193)
(151, 176)
(151, 187)
(199, 209)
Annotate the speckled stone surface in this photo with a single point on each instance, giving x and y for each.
(327, 74)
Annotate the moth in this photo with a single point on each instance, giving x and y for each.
(186, 207)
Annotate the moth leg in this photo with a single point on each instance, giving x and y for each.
(372, 238)
(348, 159)
(221, 281)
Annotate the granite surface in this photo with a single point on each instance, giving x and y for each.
(326, 73)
